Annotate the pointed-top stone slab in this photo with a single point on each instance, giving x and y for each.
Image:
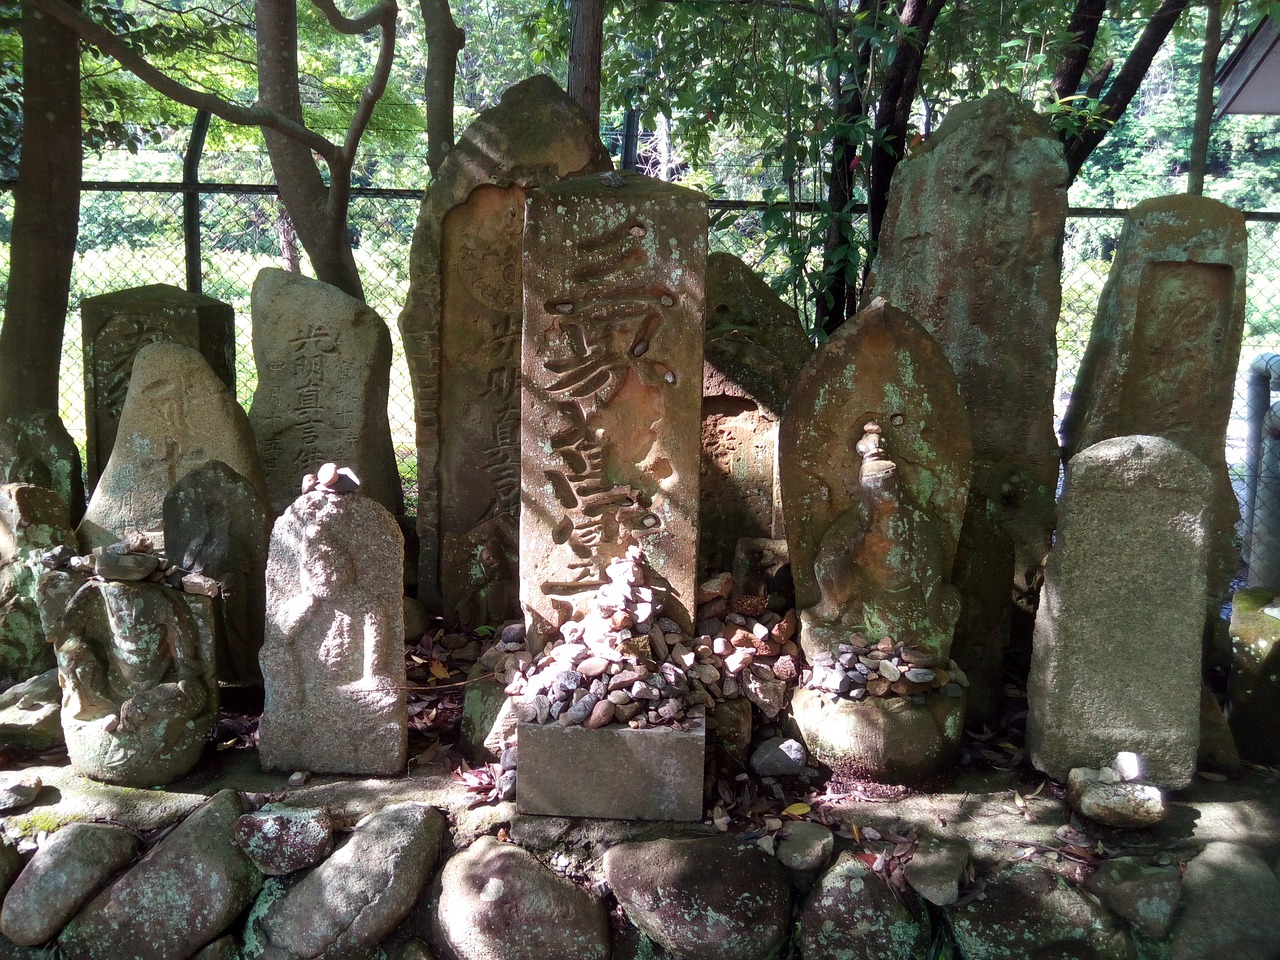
(324, 369)
(178, 415)
(461, 330)
(881, 367)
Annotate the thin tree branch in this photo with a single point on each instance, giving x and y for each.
(113, 46)
(1127, 82)
(377, 85)
(375, 16)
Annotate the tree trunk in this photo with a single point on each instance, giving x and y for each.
(1126, 83)
(323, 235)
(46, 216)
(586, 41)
(444, 40)
(1204, 97)
(839, 300)
(1086, 18)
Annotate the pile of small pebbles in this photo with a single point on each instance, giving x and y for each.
(624, 662)
(133, 559)
(863, 668)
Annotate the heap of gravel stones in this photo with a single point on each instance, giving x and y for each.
(624, 662)
(865, 668)
(133, 559)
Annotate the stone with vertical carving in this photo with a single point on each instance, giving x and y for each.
(136, 664)
(969, 248)
(324, 374)
(333, 658)
(33, 520)
(115, 326)
(875, 455)
(755, 348)
(215, 524)
(36, 448)
(1116, 665)
(1165, 346)
(178, 416)
(461, 328)
(613, 293)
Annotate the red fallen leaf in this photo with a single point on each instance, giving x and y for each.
(868, 858)
(1082, 854)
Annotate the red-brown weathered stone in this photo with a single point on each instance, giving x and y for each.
(461, 328)
(867, 558)
(613, 287)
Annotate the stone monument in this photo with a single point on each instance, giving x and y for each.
(115, 326)
(324, 373)
(1116, 665)
(33, 520)
(754, 350)
(461, 327)
(1165, 347)
(333, 657)
(613, 305)
(36, 448)
(177, 416)
(135, 661)
(874, 451)
(970, 248)
(217, 525)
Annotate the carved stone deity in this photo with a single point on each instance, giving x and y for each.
(881, 566)
(136, 665)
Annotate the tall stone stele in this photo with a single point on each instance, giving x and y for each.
(613, 304)
(115, 326)
(875, 452)
(333, 658)
(461, 327)
(1116, 664)
(177, 417)
(754, 351)
(33, 520)
(136, 666)
(1165, 347)
(970, 248)
(324, 375)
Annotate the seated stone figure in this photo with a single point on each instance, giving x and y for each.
(879, 567)
(135, 661)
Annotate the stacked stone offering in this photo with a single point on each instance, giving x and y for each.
(860, 669)
(133, 559)
(624, 662)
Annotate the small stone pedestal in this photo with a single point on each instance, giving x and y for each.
(613, 772)
(886, 739)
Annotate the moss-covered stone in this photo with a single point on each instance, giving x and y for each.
(852, 914)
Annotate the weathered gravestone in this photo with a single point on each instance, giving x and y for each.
(333, 657)
(1165, 346)
(1116, 665)
(36, 448)
(613, 293)
(874, 451)
(177, 416)
(115, 326)
(754, 350)
(461, 328)
(33, 520)
(324, 374)
(217, 525)
(970, 248)
(136, 665)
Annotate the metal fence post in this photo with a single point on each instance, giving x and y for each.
(191, 202)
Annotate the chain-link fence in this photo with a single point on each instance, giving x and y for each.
(133, 236)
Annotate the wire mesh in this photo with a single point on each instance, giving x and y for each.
(130, 238)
